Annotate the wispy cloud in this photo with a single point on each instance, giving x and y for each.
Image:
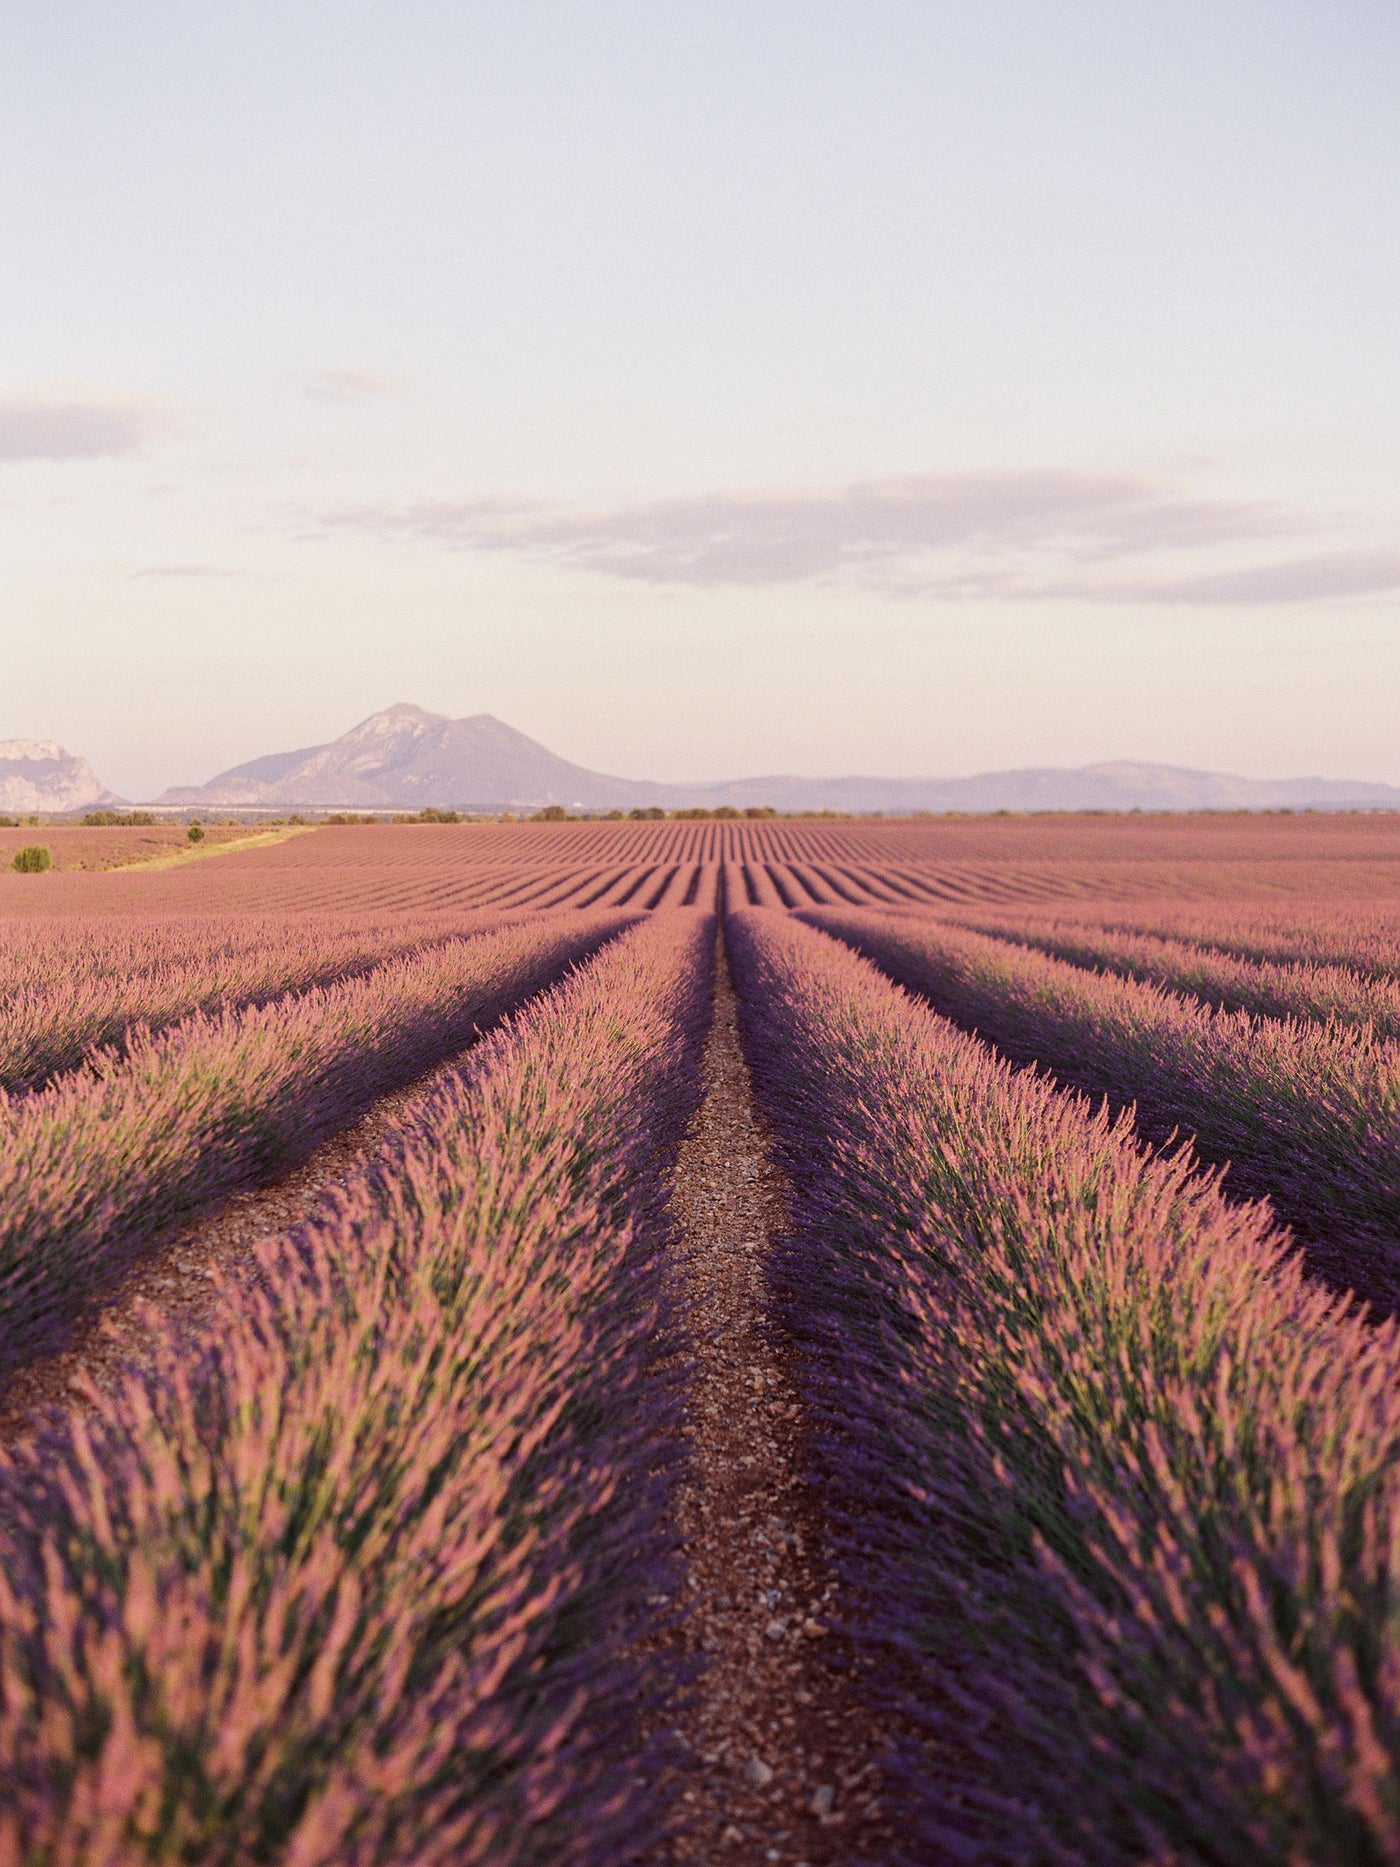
(1293, 580)
(1024, 536)
(38, 427)
(347, 386)
(181, 570)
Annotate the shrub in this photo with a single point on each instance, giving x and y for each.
(652, 814)
(32, 860)
(552, 813)
(9, 823)
(128, 819)
(195, 833)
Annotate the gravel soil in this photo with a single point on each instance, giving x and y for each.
(780, 1760)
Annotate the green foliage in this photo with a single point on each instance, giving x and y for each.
(552, 813)
(652, 814)
(694, 815)
(127, 819)
(195, 833)
(32, 860)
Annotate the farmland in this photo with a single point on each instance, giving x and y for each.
(775, 1340)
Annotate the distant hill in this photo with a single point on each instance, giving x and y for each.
(406, 759)
(1118, 786)
(37, 775)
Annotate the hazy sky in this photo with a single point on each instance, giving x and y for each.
(704, 388)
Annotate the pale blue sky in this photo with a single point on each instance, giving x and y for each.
(705, 389)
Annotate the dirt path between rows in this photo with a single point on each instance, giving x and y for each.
(782, 1760)
(176, 1276)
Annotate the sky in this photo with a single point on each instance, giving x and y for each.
(706, 389)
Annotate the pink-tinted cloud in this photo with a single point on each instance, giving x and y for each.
(1023, 536)
(41, 428)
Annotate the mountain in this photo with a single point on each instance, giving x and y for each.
(37, 775)
(406, 759)
(1114, 786)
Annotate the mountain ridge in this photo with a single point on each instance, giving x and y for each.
(404, 757)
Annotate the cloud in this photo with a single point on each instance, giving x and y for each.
(1022, 536)
(41, 428)
(181, 570)
(346, 386)
(1297, 580)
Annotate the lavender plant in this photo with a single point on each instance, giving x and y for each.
(1115, 1487)
(364, 1575)
(1306, 1115)
(95, 1165)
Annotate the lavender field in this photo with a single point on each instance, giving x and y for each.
(688, 1341)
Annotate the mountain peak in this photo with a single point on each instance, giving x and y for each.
(401, 717)
(38, 775)
(404, 757)
(31, 751)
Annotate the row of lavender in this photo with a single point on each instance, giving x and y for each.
(1358, 936)
(70, 986)
(1303, 1112)
(1305, 990)
(110, 1155)
(1116, 1486)
(363, 1574)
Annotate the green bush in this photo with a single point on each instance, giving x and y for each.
(128, 819)
(32, 860)
(195, 833)
(552, 813)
